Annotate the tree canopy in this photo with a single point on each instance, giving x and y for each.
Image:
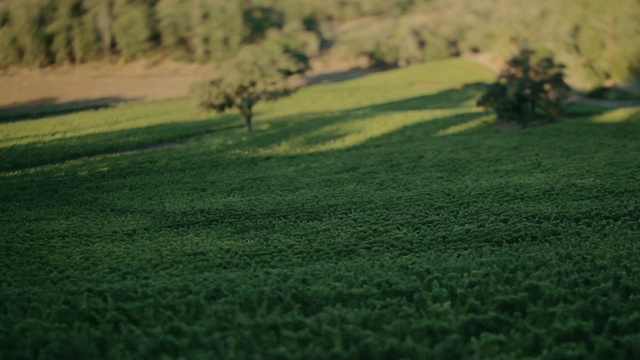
(258, 72)
(526, 90)
(597, 40)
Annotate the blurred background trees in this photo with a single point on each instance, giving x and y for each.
(24, 33)
(597, 40)
(71, 33)
(133, 27)
(100, 14)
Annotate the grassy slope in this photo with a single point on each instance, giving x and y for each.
(371, 218)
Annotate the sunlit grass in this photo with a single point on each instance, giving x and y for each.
(368, 107)
(471, 124)
(377, 88)
(375, 218)
(618, 115)
(352, 132)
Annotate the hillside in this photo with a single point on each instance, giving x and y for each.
(33, 92)
(379, 217)
(593, 38)
(76, 54)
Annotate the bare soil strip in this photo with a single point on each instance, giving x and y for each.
(33, 92)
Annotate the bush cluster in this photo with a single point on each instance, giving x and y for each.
(527, 91)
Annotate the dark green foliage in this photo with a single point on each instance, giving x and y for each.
(526, 91)
(613, 93)
(259, 72)
(406, 245)
(260, 19)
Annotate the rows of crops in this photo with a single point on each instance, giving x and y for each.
(374, 218)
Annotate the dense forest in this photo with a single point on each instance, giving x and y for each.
(597, 40)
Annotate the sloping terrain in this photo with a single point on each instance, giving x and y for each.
(382, 217)
(28, 92)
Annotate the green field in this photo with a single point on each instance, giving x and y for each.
(382, 217)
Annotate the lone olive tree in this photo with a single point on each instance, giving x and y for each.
(258, 72)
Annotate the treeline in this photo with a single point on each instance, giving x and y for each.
(597, 40)
(45, 32)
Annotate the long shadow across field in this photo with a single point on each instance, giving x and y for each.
(315, 127)
(446, 99)
(34, 154)
(50, 106)
(323, 127)
(311, 129)
(450, 237)
(373, 163)
(305, 126)
(315, 188)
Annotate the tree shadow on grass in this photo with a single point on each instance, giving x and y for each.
(315, 129)
(40, 153)
(445, 99)
(344, 182)
(314, 187)
(311, 130)
(50, 106)
(340, 76)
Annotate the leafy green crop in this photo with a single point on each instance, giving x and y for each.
(374, 218)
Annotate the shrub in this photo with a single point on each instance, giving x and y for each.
(526, 91)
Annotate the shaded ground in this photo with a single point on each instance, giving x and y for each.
(49, 106)
(402, 242)
(70, 88)
(26, 93)
(29, 92)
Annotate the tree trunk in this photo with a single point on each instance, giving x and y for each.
(247, 115)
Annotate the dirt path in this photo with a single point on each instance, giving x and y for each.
(16, 90)
(28, 92)
(25, 91)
